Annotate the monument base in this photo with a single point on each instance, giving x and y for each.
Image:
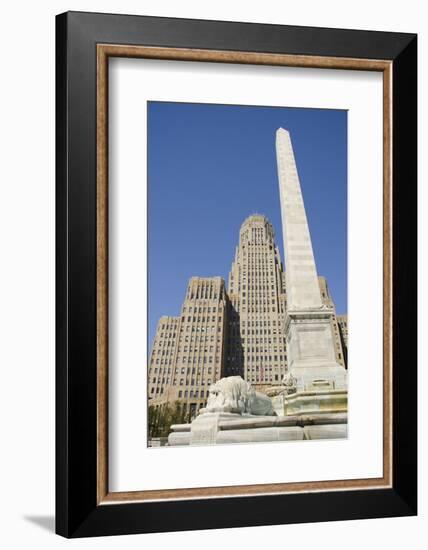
(311, 402)
(227, 428)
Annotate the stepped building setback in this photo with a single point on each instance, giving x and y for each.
(240, 331)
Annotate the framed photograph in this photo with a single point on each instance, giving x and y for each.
(236, 274)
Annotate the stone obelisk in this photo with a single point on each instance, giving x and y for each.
(311, 355)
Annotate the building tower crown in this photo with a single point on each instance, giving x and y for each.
(256, 219)
(256, 229)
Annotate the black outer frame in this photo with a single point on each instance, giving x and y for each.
(77, 513)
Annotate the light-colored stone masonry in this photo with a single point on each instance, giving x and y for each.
(310, 323)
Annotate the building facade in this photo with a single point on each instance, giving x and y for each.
(340, 351)
(256, 340)
(342, 321)
(188, 351)
(235, 332)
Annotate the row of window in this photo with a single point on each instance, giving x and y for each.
(167, 335)
(169, 326)
(257, 272)
(267, 330)
(256, 341)
(258, 323)
(258, 296)
(192, 328)
(198, 348)
(191, 360)
(201, 319)
(182, 381)
(202, 294)
(267, 358)
(200, 309)
(258, 287)
(161, 370)
(264, 379)
(162, 362)
(181, 393)
(192, 393)
(254, 302)
(258, 263)
(198, 359)
(186, 370)
(163, 352)
(261, 370)
(198, 338)
(254, 309)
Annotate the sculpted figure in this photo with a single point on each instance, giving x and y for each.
(235, 395)
(290, 383)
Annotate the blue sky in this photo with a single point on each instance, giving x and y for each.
(211, 166)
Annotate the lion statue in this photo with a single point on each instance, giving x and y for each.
(235, 395)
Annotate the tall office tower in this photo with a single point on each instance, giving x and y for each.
(256, 338)
(188, 351)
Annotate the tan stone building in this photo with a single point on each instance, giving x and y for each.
(256, 340)
(188, 351)
(338, 343)
(342, 321)
(238, 332)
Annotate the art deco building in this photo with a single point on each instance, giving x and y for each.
(256, 340)
(188, 351)
(238, 332)
(164, 357)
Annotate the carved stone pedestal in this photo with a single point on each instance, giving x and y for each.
(311, 402)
